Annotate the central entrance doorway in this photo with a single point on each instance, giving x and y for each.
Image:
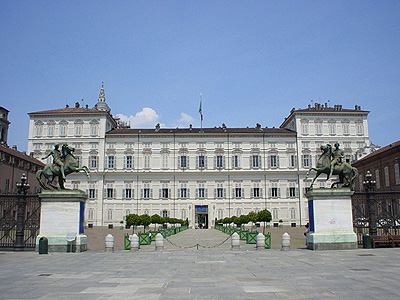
(201, 216)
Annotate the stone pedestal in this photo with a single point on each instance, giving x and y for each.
(62, 220)
(331, 220)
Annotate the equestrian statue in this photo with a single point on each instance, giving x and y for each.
(64, 163)
(332, 163)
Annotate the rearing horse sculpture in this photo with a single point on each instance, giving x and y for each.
(51, 171)
(347, 173)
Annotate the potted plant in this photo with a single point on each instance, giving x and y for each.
(280, 223)
(264, 216)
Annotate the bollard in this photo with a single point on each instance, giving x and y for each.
(159, 241)
(285, 242)
(235, 241)
(109, 243)
(134, 243)
(260, 244)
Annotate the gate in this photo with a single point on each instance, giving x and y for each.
(387, 209)
(28, 207)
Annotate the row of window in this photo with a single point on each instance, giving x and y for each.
(386, 175)
(200, 193)
(78, 129)
(332, 127)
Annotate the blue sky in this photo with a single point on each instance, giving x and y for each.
(252, 60)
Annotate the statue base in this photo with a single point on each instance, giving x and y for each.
(331, 220)
(62, 220)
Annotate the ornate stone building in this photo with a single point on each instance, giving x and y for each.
(199, 174)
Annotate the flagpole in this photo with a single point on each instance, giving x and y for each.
(201, 104)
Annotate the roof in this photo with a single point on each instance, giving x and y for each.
(21, 155)
(215, 130)
(1, 107)
(69, 110)
(319, 108)
(378, 152)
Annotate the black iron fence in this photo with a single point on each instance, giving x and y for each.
(9, 206)
(387, 209)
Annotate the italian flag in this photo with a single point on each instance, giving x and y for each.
(200, 110)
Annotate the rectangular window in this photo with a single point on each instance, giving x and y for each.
(183, 162)
(318, 128)
(183, 192)
(360, 129)
(63, 130)
(128, 193)
(238, 192)
(38, 130)
(378, 182)
(347, 145)
(306, 161)
(201, 161)
(306, 144)
(165, 161)
(304, 127)
(50, 131)
(292, 160)
(165, 213)
(92, 193)
(219, 161)
(93, 130)
(220, 192)
(78, 130)
(292, 192)
(273, 161)
(164, 193)
(346, 129)
(111, 162)
(255, 161)
(146, 193)
(93, 162)
(274, 192)
(396, 173)
(201, 192)
(236, 161)
(293, 213)
(110, 193)
(387, 181)
(147, 161)
(332, 129)
(256, 192)
(129, 162)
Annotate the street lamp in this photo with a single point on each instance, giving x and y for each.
(369, 186)
(22, 188)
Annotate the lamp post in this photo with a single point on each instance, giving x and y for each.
(369, 186)
(22, 188)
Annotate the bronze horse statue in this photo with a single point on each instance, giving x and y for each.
(347, 174)
(51, 171)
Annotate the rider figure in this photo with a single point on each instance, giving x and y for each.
(57, 158)
(337, 158)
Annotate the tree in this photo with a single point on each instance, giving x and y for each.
(156, 219)
(235, 220)
(252, 218)
(264, 216)
(132, 220)
(243, 219)
(145, 220)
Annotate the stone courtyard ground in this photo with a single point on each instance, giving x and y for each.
(207, 273)
(96, 236)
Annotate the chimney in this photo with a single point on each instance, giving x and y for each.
(190, 127)
(76, 104)
(14, 147)
(158, 127)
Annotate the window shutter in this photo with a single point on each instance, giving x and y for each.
(287, 193)
(297, 192)
(197, 193)
(151, 193)
(223, 162)
(251, 161)
(242, 193)
(141, 193)
(105, 193)
(233, 193)
(252, 192)
(215, 162)
(169, 193)
(260, 161)
(95, 193)
(87, 192)
(124, 162)
(279, 192)
(205, 193)
(224, 192)
(261, 192)
(269, 161)
(178, 193)
(159, 193)
(187, 162)
(270, 193)
(215, 193)
(277, 161)
(205, 162)
(179, 160)
(188, 193)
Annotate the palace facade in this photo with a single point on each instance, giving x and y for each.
(193, 173)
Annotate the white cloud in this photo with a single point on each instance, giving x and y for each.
(185, 120)
(147, 117)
